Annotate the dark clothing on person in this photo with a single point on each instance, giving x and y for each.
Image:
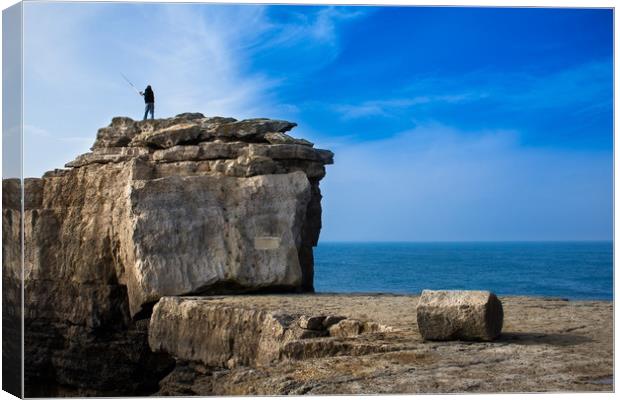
(150, 108)
(149, 99)
(149, 96)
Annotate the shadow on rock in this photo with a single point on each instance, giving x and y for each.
(552, 339)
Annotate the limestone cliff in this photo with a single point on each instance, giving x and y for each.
(177, 206)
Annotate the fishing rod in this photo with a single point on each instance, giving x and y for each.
(132, 85)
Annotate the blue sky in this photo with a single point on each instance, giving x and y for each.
(447, 123)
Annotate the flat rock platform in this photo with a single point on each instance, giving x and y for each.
(546, 345)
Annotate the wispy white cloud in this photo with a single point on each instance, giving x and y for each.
(581, 86)
(310, 28)
(388, 107)
(197, 61)
(201, 60)
(585, 88)
(441, 183)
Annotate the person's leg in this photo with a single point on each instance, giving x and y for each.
(146, 111)
(152, 110)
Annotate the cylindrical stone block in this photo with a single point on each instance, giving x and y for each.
(459, 314)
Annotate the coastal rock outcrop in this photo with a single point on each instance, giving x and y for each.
(176, 206)
(459, 314)
(186, 205)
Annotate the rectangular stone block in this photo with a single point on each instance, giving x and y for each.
(459, 314)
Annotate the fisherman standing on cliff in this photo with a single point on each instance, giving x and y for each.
(149, 99)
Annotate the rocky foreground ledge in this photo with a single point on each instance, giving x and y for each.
(370, 344)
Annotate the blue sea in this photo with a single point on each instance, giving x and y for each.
(573, 270)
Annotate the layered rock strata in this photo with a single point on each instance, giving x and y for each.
(12, 310)
(225, 332)
(177, 206)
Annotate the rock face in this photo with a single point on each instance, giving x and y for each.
(209, 233)
(12, 310)
(459, 314)
(226, 332)
(177, 206)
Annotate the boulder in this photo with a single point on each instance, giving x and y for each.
(168, 136)
(251, 129)
(194, 329)
(346, 328)
(233, 331)
(118, 134)
(459, 314)
(314, 323)
(190, 115)
(290, 152)
(219, 150)
(332, 320)
(283, 138)
(352, 327)
(104, 155)
(191, 233)
(177, 153)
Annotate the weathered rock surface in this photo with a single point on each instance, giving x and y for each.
(547, 345)
(459, 314)
(177, 206)
(223, 332)
(193, 233)
(12, 310)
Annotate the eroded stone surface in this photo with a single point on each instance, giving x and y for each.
(283, 138)
(158, 207)
(546, 345)
(459, 314)
(192, 233)
(175, 206)
(224, 332)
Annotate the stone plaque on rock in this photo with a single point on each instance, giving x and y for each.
(266, 242)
